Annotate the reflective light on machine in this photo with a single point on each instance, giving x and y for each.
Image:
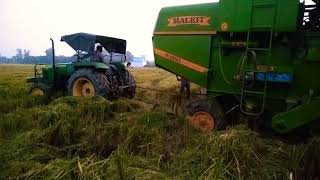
(179, 60)
(274, 77)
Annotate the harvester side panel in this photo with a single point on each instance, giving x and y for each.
(186, 56)
(237, 14)
(229, 15)
(194, 19)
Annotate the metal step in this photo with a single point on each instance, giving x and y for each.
(264, 5)
(253, 92)
(260, 49)
(256, 71)
(261, 27)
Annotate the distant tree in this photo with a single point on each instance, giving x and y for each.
(1, 59)
(26, 53)
(19, 56)
(48, 52)
(26, 57)
(4, 60)
(19, 53)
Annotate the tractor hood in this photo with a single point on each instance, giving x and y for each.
(86, 42)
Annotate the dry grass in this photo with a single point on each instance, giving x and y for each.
(143, 138)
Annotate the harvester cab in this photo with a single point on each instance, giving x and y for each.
(86, 76)
(258, 57)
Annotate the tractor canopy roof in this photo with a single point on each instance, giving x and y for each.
(86, 42)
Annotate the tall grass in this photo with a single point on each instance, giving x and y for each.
(143, 138)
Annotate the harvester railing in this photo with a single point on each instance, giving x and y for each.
(245, 90)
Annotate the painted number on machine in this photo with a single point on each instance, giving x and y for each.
(186, 20)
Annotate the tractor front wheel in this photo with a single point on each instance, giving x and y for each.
(39, 89)
(88, 83)
(206, 115)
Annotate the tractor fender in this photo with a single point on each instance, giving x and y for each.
(118, 67)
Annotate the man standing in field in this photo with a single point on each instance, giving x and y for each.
(184, 86)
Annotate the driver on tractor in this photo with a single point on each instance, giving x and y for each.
(98, 56)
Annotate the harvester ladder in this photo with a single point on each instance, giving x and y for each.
(270, 29)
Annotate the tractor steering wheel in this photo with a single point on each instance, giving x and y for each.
(80, 57)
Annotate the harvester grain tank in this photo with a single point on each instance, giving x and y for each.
(258, 57)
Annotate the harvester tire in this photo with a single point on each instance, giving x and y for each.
(88, 82)
(206, 115)
(40, 89)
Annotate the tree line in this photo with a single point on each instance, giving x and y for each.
(24, 57)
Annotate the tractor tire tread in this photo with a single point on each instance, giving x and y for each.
(98, 79)
(45, 88)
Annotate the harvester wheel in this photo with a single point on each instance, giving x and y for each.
(87, 82)
(206, 115)
(39, 89)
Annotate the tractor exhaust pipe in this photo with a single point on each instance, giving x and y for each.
(53, 61)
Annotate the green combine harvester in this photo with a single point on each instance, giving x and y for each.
(257, 57)
(87, 76)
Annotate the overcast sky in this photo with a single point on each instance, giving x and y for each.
(28, 24)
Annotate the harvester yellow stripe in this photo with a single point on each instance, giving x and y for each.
(180, 60)
(185, 32)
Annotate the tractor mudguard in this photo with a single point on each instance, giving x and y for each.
(38, 80)
(116, 66)
(33, 80)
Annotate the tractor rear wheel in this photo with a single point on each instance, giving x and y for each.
(88, 82)
(40, 89)
(206, 115)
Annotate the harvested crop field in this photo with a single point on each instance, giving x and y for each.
(147, 137)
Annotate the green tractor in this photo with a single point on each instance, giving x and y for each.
(87, 76)
(257, 57)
